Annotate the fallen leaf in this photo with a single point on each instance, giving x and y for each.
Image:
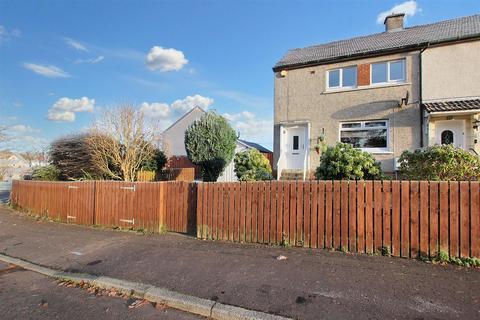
(137, 304)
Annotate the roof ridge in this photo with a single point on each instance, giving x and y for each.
(384, 32)
(410, 38)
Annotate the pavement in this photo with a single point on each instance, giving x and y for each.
(29, 295)
(309, 284)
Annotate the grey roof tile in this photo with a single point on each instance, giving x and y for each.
(449, 30)
(457, 105)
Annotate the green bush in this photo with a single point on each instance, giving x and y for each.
(46, 173)
(251, 165)
(210, 143)
(156, 163)
(444, 162)
(342, 161)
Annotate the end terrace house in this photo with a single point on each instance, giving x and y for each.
(402, 89)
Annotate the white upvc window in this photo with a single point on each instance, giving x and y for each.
(372, 135)
(342, 78)
(388, 72)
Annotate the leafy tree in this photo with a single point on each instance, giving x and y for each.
(71, 155)
(46, 173)
(343, 161)
(251, 165)
(444, 162)
(210, 143)
(156, 162)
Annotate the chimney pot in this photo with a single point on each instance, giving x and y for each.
(394, 22)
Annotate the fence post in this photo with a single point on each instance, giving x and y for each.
(161, 219)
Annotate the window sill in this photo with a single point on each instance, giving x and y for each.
(373, 86)
(379, 152)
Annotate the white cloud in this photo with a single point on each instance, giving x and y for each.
(46, 71)
(237, 116)
(91, 60)
(410, 8)
(192, 101)
(165, 111)
(251, 128)
(22, 128)
(165, 59)
(65, 108)
(8, 34)
(155, 109)
(76, 44)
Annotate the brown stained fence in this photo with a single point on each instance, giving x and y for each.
(71, 202)
(180, 206)
(139, 205)
(408, 219)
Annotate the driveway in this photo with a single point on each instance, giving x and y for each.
(309, 284)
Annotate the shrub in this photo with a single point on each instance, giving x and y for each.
(155, 163)
(46, 173)
(251, 165)
(210, 143)
(342, 161)
(444, 162)
(72, 157)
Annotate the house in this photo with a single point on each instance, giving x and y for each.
(13, 166)
(173, 143)
(401, 89)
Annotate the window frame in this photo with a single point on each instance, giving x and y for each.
(362, 128)
(389, 81)
(340, 78)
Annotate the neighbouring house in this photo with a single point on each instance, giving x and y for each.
(173, 142)
(228, 174)
(402, 89)
(13, 166)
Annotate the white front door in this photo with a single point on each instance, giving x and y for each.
(450, 132)
(295, 147)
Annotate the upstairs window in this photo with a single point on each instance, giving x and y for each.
(366, 135)
(388, 72)
(342, 78)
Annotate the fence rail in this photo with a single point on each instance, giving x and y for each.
(407, 219)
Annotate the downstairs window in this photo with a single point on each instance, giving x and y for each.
(371, 136)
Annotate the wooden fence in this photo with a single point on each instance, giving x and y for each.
(408, 219)
(141, 205)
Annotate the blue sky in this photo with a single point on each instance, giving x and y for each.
(63, 61)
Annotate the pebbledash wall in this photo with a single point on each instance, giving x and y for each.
(302, 96)
(456, 79)
(405, 218)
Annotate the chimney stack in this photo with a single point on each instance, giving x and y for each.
(394, 22)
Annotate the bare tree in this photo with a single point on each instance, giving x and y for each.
(121, 141)
(3, 134)
(3, 171)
